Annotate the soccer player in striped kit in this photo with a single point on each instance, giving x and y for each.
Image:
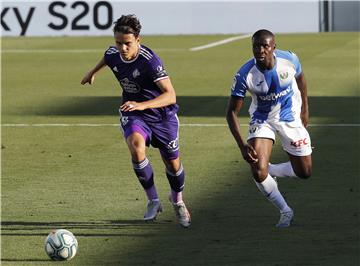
(279, 106)
(148, 113)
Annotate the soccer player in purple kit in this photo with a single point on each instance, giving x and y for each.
(148, 113)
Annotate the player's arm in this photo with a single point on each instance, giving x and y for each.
(234, 106)
(167, 97)
(302, 85)
(90, 76)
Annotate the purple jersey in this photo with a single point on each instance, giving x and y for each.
(137, 79)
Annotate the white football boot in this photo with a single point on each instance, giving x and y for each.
(153, 207)
(182, 213)
(286, 219)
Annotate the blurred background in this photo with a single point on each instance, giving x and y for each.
(58, 18)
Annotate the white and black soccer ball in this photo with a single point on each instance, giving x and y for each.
(61, 244)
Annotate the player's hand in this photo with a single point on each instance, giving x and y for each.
(131, 106)
(88, 78)
(249, 154)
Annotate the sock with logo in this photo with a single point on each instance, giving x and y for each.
(145, 174)
(177, 183)
(282, 170)
(270, 190)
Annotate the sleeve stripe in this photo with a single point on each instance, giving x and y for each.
(146, 52)
(145, 55)
(112, 50)
(161, 78)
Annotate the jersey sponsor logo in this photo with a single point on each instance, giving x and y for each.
(274, 96)
(136, 73)
(300, 142)
(129, 86)
(284, 75)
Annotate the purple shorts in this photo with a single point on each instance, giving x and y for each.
(163, 135)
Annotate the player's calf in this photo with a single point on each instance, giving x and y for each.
(303, 172)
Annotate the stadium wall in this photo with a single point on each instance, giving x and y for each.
(76, 18)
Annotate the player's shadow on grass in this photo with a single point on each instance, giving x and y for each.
(113, 229)
(200, 106)
(22, 228)
(24, 260)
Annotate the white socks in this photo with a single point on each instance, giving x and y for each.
(270, 190)
(281, 170)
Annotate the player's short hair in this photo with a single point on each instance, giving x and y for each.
(128, 24)
(263, 34)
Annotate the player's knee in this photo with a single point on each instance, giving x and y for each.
(260, 174)
(137, 150)
(304, 173)
(137, 155)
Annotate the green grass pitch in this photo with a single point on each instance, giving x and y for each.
(80, 178)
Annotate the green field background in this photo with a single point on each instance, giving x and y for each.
(80, 178)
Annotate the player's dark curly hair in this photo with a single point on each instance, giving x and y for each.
(128, 24)
(263, 34)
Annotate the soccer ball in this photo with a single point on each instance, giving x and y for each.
(61, 244)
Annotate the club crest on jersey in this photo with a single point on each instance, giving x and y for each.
(136, 73)
(115, 69)
(284, 75)
(129, 86)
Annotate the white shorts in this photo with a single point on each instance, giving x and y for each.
(294, 137)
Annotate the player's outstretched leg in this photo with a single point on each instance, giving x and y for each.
(177, 181)
(270, 190)
(144, 173)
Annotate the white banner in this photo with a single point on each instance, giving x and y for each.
(57, 18)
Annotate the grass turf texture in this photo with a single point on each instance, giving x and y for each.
(80, 178)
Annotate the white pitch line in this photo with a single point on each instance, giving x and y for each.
(183, 125)
(59, 125)
(231, 39)
(30, 51)
(77, 51)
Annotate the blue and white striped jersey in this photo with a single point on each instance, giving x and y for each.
(275, 94)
